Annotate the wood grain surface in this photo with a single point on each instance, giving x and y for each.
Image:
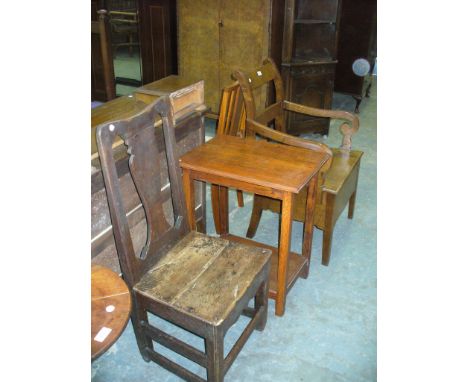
(262, 163)
(204, 276)
(109, 291)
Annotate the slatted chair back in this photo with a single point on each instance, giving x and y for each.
(146, 164)
(232, 111)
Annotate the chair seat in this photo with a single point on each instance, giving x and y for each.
(342, 165)
(204, 276)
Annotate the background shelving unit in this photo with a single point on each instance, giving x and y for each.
(309, 58)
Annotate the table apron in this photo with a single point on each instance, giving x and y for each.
(236, 184)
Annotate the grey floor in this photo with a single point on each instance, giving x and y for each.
(329, 330)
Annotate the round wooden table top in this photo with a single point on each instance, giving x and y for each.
(110, 309)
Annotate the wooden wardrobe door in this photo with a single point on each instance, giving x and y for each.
(244, 38)
(158, 39)
(198, 36)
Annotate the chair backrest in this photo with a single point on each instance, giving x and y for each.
(261, 77)
(232, 111)
(147, 164)
(256, 123)
(101, 28)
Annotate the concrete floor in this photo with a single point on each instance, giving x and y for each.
(329, 331)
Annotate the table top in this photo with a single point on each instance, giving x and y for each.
(110, 309)
(258, 162)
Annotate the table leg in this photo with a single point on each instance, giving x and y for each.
(189, 192)
(283, 252)
(223, 210)
(309, 225)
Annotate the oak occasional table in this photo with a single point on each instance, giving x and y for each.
(274, 170)
(110, 309)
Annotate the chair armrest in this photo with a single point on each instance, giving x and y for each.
(287, 139)
(346, 130)
(278, 136)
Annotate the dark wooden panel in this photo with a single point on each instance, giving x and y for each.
(356, 40)
(276, 40)
(317, 9)
(94, 9)
(315, 41)
(158, 39)
(311, 86)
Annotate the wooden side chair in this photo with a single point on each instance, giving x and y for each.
(199, 283)
(336, 188)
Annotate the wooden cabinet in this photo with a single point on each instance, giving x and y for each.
(357, 40)
(217, 37)
(309, 59)
(158, 39)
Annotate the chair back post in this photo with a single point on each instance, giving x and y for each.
(279, 93)
(107, 63)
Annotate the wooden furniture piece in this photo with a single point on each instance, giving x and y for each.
(102, 65)
(199, 283)
(268, 169)
(357, 40)
(189, 132)
(336, 188)
(215, 37)
(110, 309)
(158, 39)
(309, 58)
(232, 113)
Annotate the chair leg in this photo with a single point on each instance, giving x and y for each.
(326, 245)
(240, 198)
(261, 299)
(254, 218)
(214, 345)
(308, 227)
(139, 318)
(358, 103)
(352, 201)
(328, 229)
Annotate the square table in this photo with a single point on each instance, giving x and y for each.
(270, 169)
